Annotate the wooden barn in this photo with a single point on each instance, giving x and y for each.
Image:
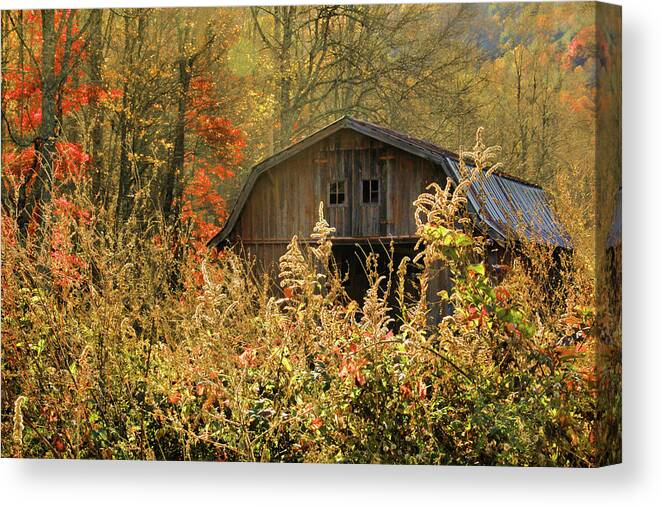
(368, 177)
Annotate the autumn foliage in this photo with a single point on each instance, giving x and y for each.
(226, 370)
(127, 132)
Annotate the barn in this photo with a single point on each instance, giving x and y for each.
(368, 177)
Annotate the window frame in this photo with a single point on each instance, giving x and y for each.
(371, 191)
(337, 193)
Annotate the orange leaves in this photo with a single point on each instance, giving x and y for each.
(418, 389)
(571, 352)
(572, 321)
(216, 131)
(352, 368)
(248, 358)
(316, 423)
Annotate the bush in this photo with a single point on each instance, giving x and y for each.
(115, 346)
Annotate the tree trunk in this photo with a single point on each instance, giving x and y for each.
(173, 190)
(124, 201)
(288, 15)
(44, 144)
(96, 80)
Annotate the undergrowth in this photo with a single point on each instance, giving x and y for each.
(103, 356)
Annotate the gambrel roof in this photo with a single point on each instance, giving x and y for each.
(509, 206)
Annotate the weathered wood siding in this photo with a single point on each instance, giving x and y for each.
(285, 199)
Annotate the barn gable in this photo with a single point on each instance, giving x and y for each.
(507, 205)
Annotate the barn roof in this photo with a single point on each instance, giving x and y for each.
(507, 205)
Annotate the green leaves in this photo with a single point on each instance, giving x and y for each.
(476, 268)
(448, 237)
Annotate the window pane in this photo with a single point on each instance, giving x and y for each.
(336, 192)
(371, 191)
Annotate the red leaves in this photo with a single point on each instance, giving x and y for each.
(511, 330)
(66, 266)
(477, 315)
(59, 444)
(581, 46)
(218, 132)
(17, 163)
(71, 162)
(64, 208)
(502, 295)
(22, 87)
(19, 85)
(222, 150)
(351, 367)
(419, 389)
(316, 423)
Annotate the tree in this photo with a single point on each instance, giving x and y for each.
(37, 95)
(377, 62)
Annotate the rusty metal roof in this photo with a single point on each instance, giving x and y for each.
(509, 206)
(514, 209)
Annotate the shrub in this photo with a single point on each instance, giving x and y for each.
(104, 357)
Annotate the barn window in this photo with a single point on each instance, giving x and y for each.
(370, 191)
(337, 193)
